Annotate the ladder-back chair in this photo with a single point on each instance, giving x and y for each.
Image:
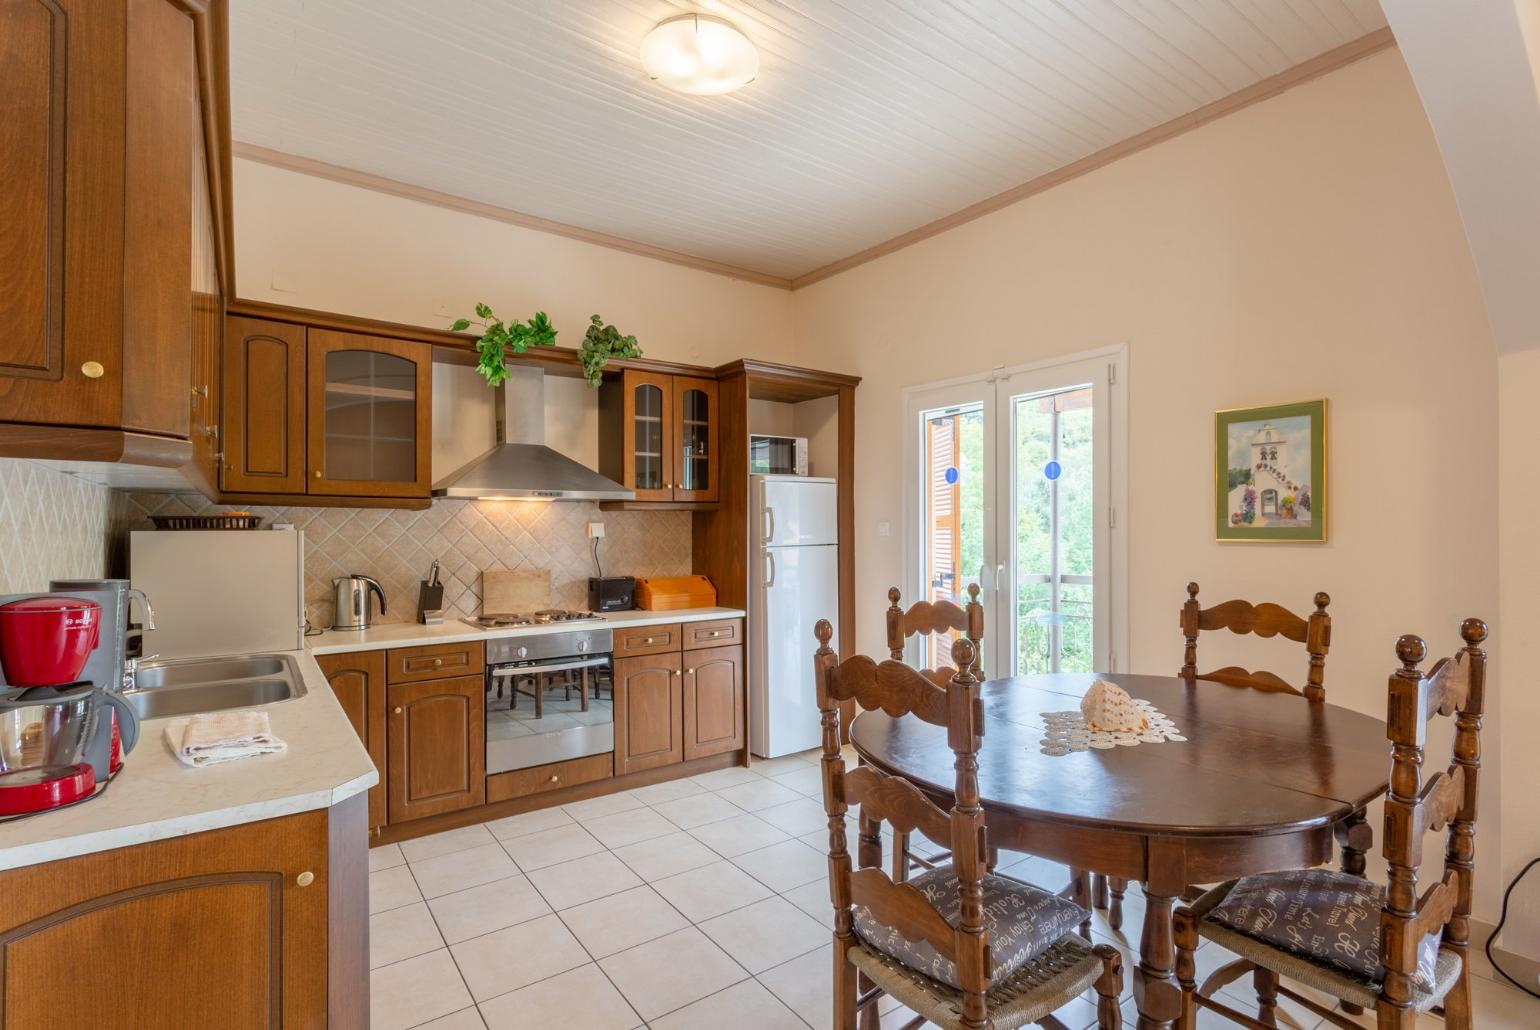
(958, 946)
(924, 618)
(1412, 952)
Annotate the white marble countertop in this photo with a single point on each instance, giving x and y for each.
(155, 796)
(455, 631)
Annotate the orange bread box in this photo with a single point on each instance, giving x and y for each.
(671, 593)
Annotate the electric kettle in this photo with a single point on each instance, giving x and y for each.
(352, 601)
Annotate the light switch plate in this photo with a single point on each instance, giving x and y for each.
(595, 530)
(883, 529)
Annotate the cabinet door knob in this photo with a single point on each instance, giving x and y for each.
(555, 778)
(398, 711)
(438, 663)
(305, 879)
(676, 672)
(93, 370)
(318, 473)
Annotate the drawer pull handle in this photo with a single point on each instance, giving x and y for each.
(648, 640)
(555, 778)
(438, 663)
(305, 879)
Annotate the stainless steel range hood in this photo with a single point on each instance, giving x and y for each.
(520, 466)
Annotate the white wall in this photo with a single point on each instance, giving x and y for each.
(1307, 246)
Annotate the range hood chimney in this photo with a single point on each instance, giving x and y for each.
(520, 466)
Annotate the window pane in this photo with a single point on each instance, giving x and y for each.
(954, 513)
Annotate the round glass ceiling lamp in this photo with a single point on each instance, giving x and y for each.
(699, 53)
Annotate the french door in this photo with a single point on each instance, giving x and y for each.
(1016, 483)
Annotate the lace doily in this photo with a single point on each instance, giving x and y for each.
(1067, 731)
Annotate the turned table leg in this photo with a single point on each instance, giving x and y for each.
(1354, 839)
(1155, 990)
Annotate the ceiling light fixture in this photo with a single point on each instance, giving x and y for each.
(699, 53)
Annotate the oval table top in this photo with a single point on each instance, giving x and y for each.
(1253, 763)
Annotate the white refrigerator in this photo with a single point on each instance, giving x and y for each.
(795, 583)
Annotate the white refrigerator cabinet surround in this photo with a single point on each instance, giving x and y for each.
(221, 592)
(795, 583)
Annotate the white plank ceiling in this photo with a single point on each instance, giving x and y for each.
(869, 117)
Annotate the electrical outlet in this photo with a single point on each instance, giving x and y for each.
(595, 530)
(883, 529)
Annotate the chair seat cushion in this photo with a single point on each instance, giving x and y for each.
(1022, 921)
(1328, 917)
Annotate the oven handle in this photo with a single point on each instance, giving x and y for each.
(529, 670)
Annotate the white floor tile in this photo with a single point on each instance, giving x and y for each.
(773, 767)
(698, 810)
(671, 972)
(668, 790)
(528, 822)
(762, 793)
(813, 898)
(582, 880)
(548, 847)
(581, 997)
(622, 921)
(408, 993)
(747, 1004)
(445, 843)
(665, 856)
(392, 888)
(807, 780)
(803, 815)
(736, 835)
(465, 1019)
(806, 986)
(783, 866)
(729, 777)
(604, 804)
(622, 828)
(490, 906)
(517, 956)
(386, 856)
(711, 890)
(461, 869)
(402, 933)
(766, 934)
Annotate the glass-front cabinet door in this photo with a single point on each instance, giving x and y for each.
(695, 439)
(370, 417)
(649, 422)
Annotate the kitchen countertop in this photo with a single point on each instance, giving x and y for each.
(453, 631)
(155, 796)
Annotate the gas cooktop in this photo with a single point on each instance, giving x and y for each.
(544, 617)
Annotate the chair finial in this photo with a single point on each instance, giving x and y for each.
(1322, 599)
(823, 631)
(1192, 591)
(963, 654)
(1411, 649)
(893, 596)
(1474, 631)
(973, 592)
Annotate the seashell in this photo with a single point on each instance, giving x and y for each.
(1108, 708)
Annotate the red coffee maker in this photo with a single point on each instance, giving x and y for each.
(60, 737)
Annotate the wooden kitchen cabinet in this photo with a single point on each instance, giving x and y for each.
(659, 436)
(326, 414)
(111, 278)
(649, 712)
(436, 747)
(713, 701)
(259, 925)
(358, 680)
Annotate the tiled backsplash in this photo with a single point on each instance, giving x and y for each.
(52, 526)
(397, 547)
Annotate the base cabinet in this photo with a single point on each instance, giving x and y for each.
(713, 701)
(649, 712)
(436, 759)
(358, 680)
(235, 927)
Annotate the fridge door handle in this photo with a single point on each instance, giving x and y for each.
(770, 570)
(769, 524)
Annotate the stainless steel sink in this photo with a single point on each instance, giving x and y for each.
(191, 685)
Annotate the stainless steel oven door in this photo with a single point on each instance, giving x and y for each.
(549, 711)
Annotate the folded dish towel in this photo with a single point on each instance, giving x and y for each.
(222, 737)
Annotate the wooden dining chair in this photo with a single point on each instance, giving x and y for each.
(1413, 951)
(1263, 620)
(925, 618)
(960, 947)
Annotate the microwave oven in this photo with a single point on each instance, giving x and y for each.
(777, 455)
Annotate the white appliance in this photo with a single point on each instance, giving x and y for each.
(795, 583)
(221, 592)
(777, 455)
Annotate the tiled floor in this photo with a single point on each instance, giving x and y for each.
(688, 905)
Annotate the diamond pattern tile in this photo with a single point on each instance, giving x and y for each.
(52, 526)
(396, 547)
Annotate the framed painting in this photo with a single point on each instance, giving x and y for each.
(1270, 473)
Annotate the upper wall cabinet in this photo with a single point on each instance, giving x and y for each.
(324, 413)
(659, 434)
(107, 230)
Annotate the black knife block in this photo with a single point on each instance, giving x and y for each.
(429, 599)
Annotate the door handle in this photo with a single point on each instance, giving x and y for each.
(769, 524)
(770, 573)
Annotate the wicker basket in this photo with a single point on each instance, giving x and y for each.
(224, 521)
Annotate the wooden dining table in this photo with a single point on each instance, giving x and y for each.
(1263, 781)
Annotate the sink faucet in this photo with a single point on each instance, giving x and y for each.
(131, 669)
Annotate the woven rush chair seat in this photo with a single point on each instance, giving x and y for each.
(1048, 982)
(1335, 982)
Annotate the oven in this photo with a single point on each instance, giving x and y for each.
(550, 697)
